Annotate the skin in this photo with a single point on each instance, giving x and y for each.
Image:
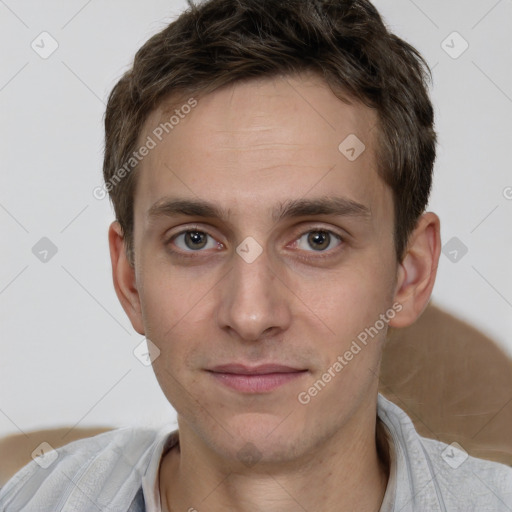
(249, 148)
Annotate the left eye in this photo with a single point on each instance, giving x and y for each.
(318, 240)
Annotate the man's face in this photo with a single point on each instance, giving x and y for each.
(301, 286)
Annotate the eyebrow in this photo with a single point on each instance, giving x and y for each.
(339, 206)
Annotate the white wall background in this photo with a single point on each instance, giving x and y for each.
(66, 353)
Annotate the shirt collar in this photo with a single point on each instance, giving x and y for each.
(151, 481)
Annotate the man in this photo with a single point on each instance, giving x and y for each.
(269, 163)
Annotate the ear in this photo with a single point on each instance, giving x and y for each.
(417, 271)
(123, 275)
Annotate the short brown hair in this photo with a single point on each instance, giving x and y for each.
(345, 42)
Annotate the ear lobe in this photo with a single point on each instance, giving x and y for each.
(123, 275)
(417, 271)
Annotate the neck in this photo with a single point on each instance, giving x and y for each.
(333, 479)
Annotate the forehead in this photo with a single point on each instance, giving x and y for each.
(264, 140)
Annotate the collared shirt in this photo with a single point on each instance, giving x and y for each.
(118, 471)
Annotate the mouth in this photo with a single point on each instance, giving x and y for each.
(257, 379)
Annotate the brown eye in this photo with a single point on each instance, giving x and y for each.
(318, 240)
(195, 239)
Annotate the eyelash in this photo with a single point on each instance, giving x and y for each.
(319, 255)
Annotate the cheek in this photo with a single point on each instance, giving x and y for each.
(170, 296)
(349, 300)
(350, 303)
(175, 320)
(164, 305)
(177, 313)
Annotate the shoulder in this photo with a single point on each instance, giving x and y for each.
(472, 480)
(77, 472)
(433, 474)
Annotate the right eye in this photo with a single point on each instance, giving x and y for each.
(194, 241)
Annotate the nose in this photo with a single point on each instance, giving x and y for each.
(253, 300)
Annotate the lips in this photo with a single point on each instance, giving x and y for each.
(255, 379)
(263, 369)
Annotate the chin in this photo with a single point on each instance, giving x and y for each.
(259, 439)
